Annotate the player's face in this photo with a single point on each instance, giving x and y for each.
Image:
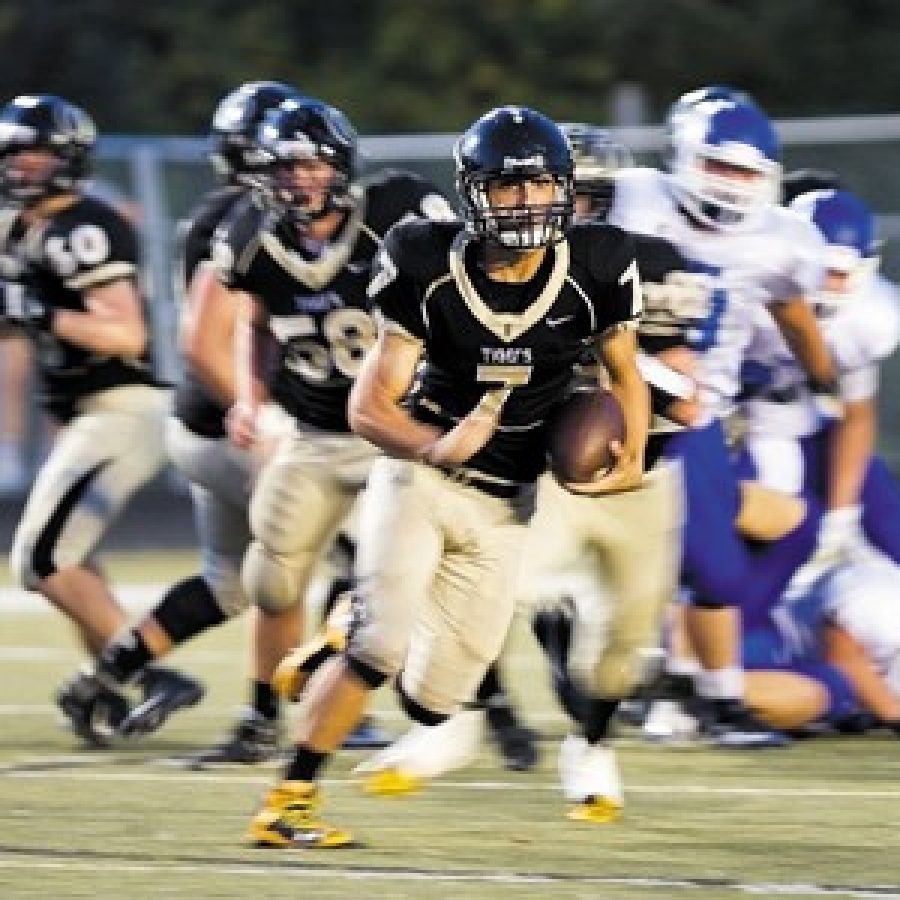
(308, 182)
(837, 281)
(506, 193)
(729, 170)
(33, 166)
(584, 206)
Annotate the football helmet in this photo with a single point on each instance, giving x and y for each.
(515, 144)
(715, 134)
(44, 122)
(299, 130)
(597, 156)
(848, 227)
(235, 153)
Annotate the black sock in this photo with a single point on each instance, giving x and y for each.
(305, 765)
(124, 657)
(599, 715)
(492, 697)
(264, 700)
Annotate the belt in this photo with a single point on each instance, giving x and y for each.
(485, 484)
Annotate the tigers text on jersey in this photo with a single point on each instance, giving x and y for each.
(775, 259)
(83, 246)
(316, 300)
(196, 406)
(479, 334)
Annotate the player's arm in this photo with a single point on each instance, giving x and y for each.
(112, 322)
(847, 654)
(375, 410)
(208, 332)
(798, 325)
(253, 362)
(853, 443)
(617, 350)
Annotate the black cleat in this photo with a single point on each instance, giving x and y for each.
(165, 692)
(729, 723)
(253, 740)
(92, 710)
(516, 742)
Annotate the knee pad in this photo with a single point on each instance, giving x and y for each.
(274, 583)
(224, 579)
(188, 609)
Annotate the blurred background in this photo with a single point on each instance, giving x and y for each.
(411, 74)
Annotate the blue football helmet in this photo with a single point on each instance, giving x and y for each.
(848, 227)
(712, 136)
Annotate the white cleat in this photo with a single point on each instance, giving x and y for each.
(667, 722)
(424, 752)
(590, 780)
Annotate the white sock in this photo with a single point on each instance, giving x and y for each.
(720, 684)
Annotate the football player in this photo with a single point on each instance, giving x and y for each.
(792, 441)
(501, 306)
(219, 474)
(296, 256)
(77, 261)
(718, 206)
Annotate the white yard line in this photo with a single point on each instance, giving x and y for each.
(768, 889)
(29, 767)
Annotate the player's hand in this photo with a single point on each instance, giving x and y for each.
(626, 474)
(470, 434)
(242, 425)
(20, 308)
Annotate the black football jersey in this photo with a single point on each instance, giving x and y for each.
(315, 297)
(196, 406)
(83, 246)
(479, 333)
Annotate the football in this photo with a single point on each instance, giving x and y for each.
(581, 432)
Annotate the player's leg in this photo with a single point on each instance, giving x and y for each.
(98, 462)
(459, 631)
(400, 546)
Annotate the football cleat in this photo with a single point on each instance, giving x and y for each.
(729, 723)
(591, 781)
(668, 721)
(165, 692)
(424, 752)
(294, 670)
(254, 739)
(92, 710)
(287, 819)
(516, 742)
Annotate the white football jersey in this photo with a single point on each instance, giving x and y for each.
(775, 259)
(780, 409)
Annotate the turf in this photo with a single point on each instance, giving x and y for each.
(821, 818)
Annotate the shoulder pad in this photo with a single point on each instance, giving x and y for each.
(421, 247)
(394, 195)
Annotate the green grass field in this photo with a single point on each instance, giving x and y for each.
(819, 819)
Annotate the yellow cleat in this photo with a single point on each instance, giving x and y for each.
(598, 810)
(391, 783)
(287, 820)
(294, 670)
